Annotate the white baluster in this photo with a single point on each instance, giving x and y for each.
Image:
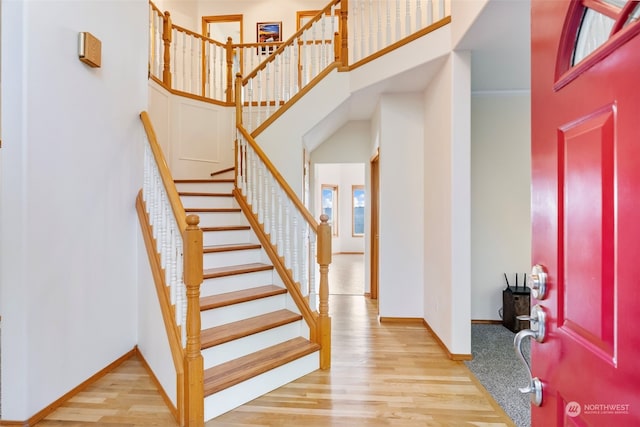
(259, 187)
(217, 78)
(222, 69)
(441, 9)
(179, 264)
(162, 229)
(371, 33)
(197, 69)
(379, 13)
(249, 87)
(287, 238)
(398, 24)
(280, 223)
(363, 36)
(274, 212)
(287, 78)
(429, 12)
(304, 262)
(296, 247)
(388, 17)
(312, 271)
(260, 96)
(183, 71)
(276, 81)
(354, 31)
(254, 180)
(418, 15)
(407, 23)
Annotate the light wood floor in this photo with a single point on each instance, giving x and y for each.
(390, 374)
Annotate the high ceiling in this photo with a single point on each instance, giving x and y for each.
(499, 41)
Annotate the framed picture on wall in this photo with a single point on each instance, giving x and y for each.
(268, 32)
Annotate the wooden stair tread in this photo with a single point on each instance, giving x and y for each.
(234, 372)
(212, 210)
(203, 194)
(242, 328)
(226, 228)
(231, 247)
(203, 181)
(230, 270)
(236, 297)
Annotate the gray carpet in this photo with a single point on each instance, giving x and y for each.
(500, 371)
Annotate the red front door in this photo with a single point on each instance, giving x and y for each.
(585, 92)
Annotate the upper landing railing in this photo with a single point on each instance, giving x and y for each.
(345, 34)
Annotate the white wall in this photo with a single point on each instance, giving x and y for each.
(344, 176)
(501, 197)
(465, 13)
(183, 13)
(71, 169)
(153, 342)
(402, 209)
(196, 137)
(447, 204)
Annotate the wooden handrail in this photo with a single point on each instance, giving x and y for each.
(198, 36)
(278, 177)
(167, 179)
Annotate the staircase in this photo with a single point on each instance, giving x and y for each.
(253, 338)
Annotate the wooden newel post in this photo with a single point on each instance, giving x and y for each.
(166, 37)
(229, 48)
(193, 362)
(324, 321)
(344, 32)
(238, 98)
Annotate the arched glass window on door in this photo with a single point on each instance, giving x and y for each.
(600, 21)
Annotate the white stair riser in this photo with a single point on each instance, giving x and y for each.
(241, 347)
(208, 202)
(211, 238)
(220, 219)
(207, 187)
(236, 282)
(232, 313)
(232, 397)
(222, 259)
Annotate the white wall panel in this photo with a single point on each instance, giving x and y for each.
(501, 197)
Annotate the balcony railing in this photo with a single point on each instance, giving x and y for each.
(344, 34)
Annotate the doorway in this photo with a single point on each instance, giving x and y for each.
(222, 27)
(373, 241)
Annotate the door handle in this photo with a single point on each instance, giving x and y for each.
(537, 331)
